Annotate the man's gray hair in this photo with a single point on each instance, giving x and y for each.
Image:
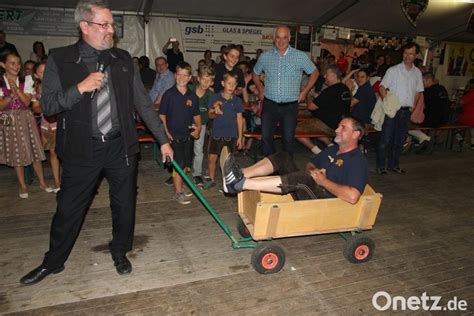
(83, 10)
(335, 70)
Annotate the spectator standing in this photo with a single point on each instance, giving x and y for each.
(39, 53)
(147, 74)
(205, 78)
(173, 54)
(467, 115)
(6, 47)
(342, 63)
(28, 68)
(231, 58)
(220, 58)
(164, 80)
(283, 67)
(405, 81)
(225, 108)
(97, 135)
(48, 125)
(363, 102)
(20, 143)
(208, 58)
(179, 110)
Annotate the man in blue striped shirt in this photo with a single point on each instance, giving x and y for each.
(283, 67)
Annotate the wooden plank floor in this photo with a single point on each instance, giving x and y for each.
(184, 264)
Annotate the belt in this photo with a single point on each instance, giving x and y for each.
(181, 140)
(225, 139)
(281, 103)
(106, 138)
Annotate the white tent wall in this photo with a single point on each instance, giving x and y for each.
(133, 39)
(160, 29)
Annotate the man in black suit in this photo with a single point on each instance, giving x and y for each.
(94, 90)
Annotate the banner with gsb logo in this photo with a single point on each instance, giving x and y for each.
(200, 35)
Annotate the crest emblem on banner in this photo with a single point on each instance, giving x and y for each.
(413, 9)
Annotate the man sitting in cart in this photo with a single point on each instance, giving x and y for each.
(340, 170)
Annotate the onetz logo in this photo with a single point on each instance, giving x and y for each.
(383, 301)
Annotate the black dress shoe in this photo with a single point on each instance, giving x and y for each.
(39, 274)
(122, 265)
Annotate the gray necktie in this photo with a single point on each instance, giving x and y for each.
(104, 112)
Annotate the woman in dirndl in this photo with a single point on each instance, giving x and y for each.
(48, 125)
(20, 143)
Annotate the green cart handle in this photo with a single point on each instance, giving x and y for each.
(235, 243)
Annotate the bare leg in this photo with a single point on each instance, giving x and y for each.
(262, 168)
(39, 173)
(178, 183)
(270, 184)
(212, 159)
(325, 140)
(306, 142)
(20, 175)
(53, 158)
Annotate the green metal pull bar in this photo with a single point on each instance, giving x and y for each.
(225, 228)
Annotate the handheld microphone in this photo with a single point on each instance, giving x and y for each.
(102, 63)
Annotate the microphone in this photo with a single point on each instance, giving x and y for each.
(102, 63)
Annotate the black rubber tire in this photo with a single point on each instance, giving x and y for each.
(242, 229)
(359, 249)
(268, 258)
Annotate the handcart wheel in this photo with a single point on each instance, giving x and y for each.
(359, 249)
(242, 229)
(268, 258)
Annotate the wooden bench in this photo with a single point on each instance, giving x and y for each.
(451, 129)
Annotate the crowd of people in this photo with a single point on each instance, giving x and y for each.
(85, 113)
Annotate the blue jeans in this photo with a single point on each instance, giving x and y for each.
(391, 139)
(272, 114)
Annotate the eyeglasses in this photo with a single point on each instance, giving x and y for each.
(104, 26)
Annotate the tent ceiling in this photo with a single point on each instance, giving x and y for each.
(443, 19)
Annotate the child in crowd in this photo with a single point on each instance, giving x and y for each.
(231, 58)
(253, 107)
(205, 79)
(48, 124)
(20, 143)
(227, 129)
(179, 110)
(201, 63)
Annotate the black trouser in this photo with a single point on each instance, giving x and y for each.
(299, 184)
(283, 113)
(78, 185)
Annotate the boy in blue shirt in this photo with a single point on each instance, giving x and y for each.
(179, 109)
(227, 129)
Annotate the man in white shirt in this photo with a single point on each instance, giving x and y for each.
(405, 81)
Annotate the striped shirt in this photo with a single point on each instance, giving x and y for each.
(283, 74)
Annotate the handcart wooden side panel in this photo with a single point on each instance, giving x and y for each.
(269, 216)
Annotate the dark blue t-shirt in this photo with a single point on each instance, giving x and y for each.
(220, 70)
(367, 99)
(349, 168)
(225, 125)
(180, 111)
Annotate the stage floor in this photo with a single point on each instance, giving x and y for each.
(184, 264)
